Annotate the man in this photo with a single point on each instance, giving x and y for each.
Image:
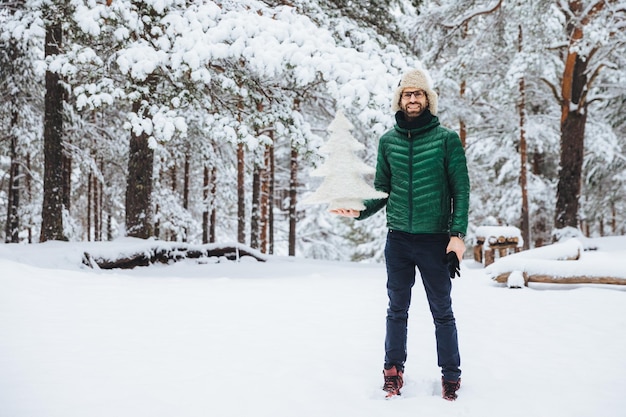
(422, 166)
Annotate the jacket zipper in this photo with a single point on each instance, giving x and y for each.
(410, 225)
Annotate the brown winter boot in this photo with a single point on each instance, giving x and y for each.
(393, 382)
(449, 389)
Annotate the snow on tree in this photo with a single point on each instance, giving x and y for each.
(343, 185)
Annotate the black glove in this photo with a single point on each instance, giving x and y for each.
(453, 264)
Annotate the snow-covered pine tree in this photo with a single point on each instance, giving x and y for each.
(343, 185)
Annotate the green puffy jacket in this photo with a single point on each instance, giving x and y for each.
(424, 171)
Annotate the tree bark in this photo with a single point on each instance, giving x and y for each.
(265, 200)
(525, 215)
(209, 214)
(139, 216)
(90, 199)
(255, 219)
(96, 209)
(213, 216)
(462, 125)
(293, 200)
(574, 87)
(241, 195)
(13, 203)
(205, 211)
(570, 174)
(52, 210)
(186, 185)
(272, 182)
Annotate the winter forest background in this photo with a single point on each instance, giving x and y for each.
(200, 121)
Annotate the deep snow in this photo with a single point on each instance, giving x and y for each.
(291, 337)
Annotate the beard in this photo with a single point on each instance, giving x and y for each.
(413, 110)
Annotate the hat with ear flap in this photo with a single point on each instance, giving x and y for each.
(416, 79)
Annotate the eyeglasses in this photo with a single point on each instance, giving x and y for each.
(417, 94)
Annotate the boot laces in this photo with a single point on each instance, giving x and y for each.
(450, 388)
(392, 383)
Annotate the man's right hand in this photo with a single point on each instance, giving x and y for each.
(346, 212)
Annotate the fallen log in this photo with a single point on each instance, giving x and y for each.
(551, 279)
(169, 253)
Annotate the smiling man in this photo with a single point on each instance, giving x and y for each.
(422, 167)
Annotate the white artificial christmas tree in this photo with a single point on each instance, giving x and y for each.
(343, 186)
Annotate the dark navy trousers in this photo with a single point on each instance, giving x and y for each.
(404, 252)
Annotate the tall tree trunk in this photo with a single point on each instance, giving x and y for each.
(265, 200)
(109, 227)
(255, 220)
(574, 88)
(241, 195)
(209, 214)
(525, 217)
(100, 205)
(90, 199)
(13, 203)
(205, 200)
(171, 234)
(67, 180)
(293, 200)
(213, 217)
(270, 203)
(570, 174)
(186, 185)
(52, 210)
(139, 217)
(29, 196)
(96, 208)
(462, 126)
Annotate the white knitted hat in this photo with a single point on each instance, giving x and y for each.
(416, 79)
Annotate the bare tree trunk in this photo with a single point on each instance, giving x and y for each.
(574, 88)
(570, 175)
(209, 214)
(462, 126)
(13, 203)
(67, 180)
(29, 193)
(205, 211)
(186, 182)
(525, 217)
(186, 185)
(171, 234)
(100, 205)
(89, 204)
(255, 220)
(270, 203)
(52, 210)
(265, 199)
(213, 217)
(139, 217)
(96, 208)
(241, 197)
(109, 228)
(293, 199)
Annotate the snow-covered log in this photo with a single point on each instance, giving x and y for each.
(169, 252)
(552, 279)
(557, 264)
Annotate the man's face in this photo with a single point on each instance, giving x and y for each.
(413, 102)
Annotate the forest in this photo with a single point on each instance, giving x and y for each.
(201, 121)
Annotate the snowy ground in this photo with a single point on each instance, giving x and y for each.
(291, 337)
